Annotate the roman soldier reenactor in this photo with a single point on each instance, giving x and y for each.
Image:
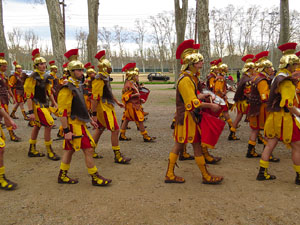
(260, 92)
(133, 103)
(16, 83)
(212, 76)
(103, 109)
(5, 92)
(38, 92)
(282, 123)
(188, 106)
(242, 94)
(74, 116)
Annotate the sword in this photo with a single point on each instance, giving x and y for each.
(73, 137)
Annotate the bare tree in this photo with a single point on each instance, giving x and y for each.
(93, 8)
(229, 19)
(294, 26)
(159, 36)
(139, 38)
(31, 40)
(57, 32)
(121, 37)
(219, 32)
(106, 38)
(3, 44)
(181, 8)
(81, 38)
(203, 33)
(190, 24)
(14, 37)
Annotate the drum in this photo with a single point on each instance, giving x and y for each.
(211, 129)
(144, 93)
(216, 98)
(230, 97)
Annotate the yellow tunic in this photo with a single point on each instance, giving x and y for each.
(106, 114)
(219, 87)
(29, 90)
(280, 124)
(64, 101)
(186, 133)
(211, 82)
(133, 108)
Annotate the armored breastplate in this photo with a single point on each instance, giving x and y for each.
(107, 90)
(78, 109)
(19, 84)
(3, 86)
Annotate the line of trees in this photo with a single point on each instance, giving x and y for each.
(234, 32)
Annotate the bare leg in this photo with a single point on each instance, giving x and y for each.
(114, 137)
(295, 152)
(237, 120)
(35, 132)
(47, 133)
(67, 156)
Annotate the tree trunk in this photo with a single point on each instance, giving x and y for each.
(93, 8)
(284, 35)
(3, 44)
(203, 34)
(57, 33)
(180, 23)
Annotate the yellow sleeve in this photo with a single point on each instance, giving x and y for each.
(211, 82)
(12, 81)
(97, 89)
(287, 90)
(49, 89)
(64, 102)
(219, 87)
(29, 87)
(186, 89)
(263, 89)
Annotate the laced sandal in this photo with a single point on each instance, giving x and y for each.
(98, 180)
(64, 179)
(33, 152)
(54, 157)
(14, 137)
(251, 153)
(8, 185)
(13, 116)
(264, 175)
(274, 159)
(122, 159)
(124, 138)
(176, 179)
(232, 137)
(212, 179)
(149, 139)
(36, 154)
(213, 159)
(97, 156)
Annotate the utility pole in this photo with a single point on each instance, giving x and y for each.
(62, 2)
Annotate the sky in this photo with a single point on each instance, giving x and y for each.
(28, 15)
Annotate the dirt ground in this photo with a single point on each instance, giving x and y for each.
(138, 194)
